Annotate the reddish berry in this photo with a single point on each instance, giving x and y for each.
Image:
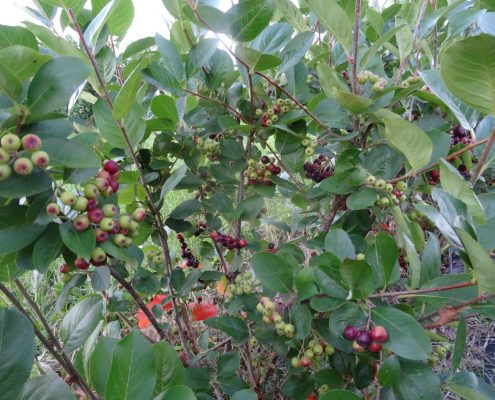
(364, 338)
(81, 263)
(64, 268)
(111, 167)
(350, 332)
(379, 334)
(374, 347)
(95, 215)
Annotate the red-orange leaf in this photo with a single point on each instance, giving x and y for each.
(204, 311)
(143, 321)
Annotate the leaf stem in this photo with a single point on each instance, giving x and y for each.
(407, 293)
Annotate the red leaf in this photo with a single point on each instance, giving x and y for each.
(204, 311)
(143, 321)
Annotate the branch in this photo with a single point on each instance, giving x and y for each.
(61, 357)
(450, 157)
(406, 293)
(484, 156)
(357, 24)
(155, 212)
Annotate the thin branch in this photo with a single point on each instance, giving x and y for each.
(151, 204)
(458, 306)
(355, 47)
(407, 293)
(484, 156)
(223, 262)
(450, 157)
(62, 359)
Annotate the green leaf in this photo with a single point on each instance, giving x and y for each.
(199, 55)
(373, 50)
(470, 387)
(235, 327)
(100, 362)
(54, 84)
(46, 387)
(163, 106)
(245, 394)
(457, 186)
(348, 313)
(417, 381)
(169, 368)
(173, 180)
(248, 18)
(273, 272)
(9, 84)
(359, 277)
(180, 392)
(302, 317)
(389, 371)
(354, 103)
(133, 371)
(338, 242)
(65, 3)
(22, 62)
(430, 260)
(295, 50)
(382, 256)
(335, 19)
(17, 35)
(47, 248)
(305, 282)
(120, 17)
(256, 60)
(127, 94)
(409, 140)
(361, 199)
(80, 243)
(16, 237)
(288, 10)
(134, 124)
(339, 394)
(70, 153)
(17, 350)
(404, 39)
(92, 32)
(484, 268)
(406, 337)
(250, 207)
(171, 57)
(161, 77)
(460, 343)
(228, 364)
(273, 38)
(471, 81)
(185, 209)
(80, 321)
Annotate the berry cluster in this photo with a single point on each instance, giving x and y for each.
(104, 219)
(259, 172)
(228, 241)
(210, 148)
(186, 253)
(378, 83)
(201, 226)
(270, 316)
(459, 135)
(315, 349)
(411, 80)
(319, 169)
(270, 116)
(366, 339)
(207, 187)
(154, 256)
(243, 285)
(395, 194)
(310, 147)
(22, 155)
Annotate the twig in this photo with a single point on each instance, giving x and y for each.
(155, 212)
(337, 203)
(484, 156)
(458, 306)
(450, 157)
(355, 47)
(406, 293)
(216, 347)
(64, 362)
(223, 262)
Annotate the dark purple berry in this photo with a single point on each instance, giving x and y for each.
(350, 332)
(364, 338)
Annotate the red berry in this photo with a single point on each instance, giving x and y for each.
(305, 361)
(374, 347)
(242, 243)
(114, 185)
(364, 338)
(111, 167)
(101, 236)
(95, 215)
(64, 268)
(379, 334)
(350, 332)
(81, 263)
(92, 203)
(276, 109)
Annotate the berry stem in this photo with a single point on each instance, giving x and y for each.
(155, 212)
(420, 291)
(484, 156)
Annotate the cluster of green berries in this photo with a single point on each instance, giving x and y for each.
(310, 147)
(410, 81)
(315, 349)
(21, 155)
(440, 353)
(379, 83)
(154, 256)
(270, 316)
(243, 285)
(270, 116)
(394, 194)
(210, 148)
(259, 172)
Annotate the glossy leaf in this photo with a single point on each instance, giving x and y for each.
(81, 243)
(338, 242)
(100, 362)
(232, 326)
(359, 277)
(169, 368)
(46, 387)
(248, 18)
(273, 272)
(417, 381)
(70, 153)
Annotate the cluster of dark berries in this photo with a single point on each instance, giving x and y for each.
(463, 170)
(459, 135)
(101, 216)
(21, 155)
(210, 148)
(403, 260)
(206, 188)
(228, 241)
(201, 226)
(319, 169)
(315, 349)
(364, 339)
(434, 177)
(259, 172)
(186, 253)
(270, 116)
